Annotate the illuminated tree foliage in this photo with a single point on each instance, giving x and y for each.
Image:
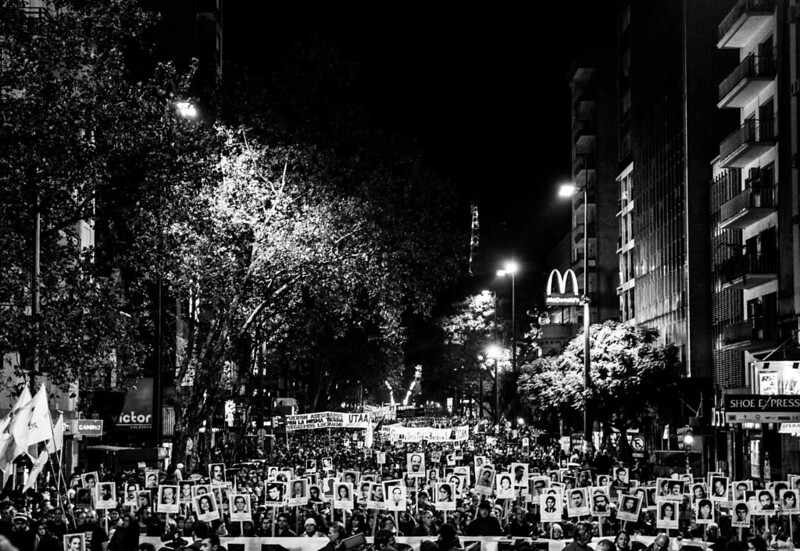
(273, 250)
(631, 372)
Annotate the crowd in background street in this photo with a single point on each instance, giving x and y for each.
(308, 464)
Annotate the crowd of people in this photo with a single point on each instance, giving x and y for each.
(325, 483)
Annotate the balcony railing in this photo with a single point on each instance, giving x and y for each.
(748, 270)
(737, 20)
(748, 207)
(752, 139)
(745, 82)
(754, 333)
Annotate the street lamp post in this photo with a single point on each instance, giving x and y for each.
(568, 190)
(493, 352)
(511, 269)
(688, 440)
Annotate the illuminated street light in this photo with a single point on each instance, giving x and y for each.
(186, 109)
(510, 269)
(568, 190)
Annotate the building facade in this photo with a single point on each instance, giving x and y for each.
(754, 237)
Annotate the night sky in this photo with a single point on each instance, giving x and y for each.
(484, 91)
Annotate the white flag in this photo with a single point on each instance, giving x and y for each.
(29, 425)
(56, 441)
(8, 470)
(369, 436)
(35, 470)
(40, 425)
(9, 450)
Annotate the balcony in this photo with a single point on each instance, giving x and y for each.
(583, 169)
(748, 270)
(747, 143)
(743, 22)
(750, 206)
(583, 99)
(583, 124)
(752, 334)
(747, 81)
(583, 131)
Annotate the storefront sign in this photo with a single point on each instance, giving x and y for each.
(564, 294)
(756, 408)
(90, 428)
(137, 409)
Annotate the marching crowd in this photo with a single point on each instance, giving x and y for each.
(326, 483)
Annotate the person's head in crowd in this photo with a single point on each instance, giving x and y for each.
(384, 540)
(210, 542)
(143, 513)
(604, 545)
(388, 524)
(557, 531)
(583, 532)
(310, 526)
(661, 543)
(42, 531)
(337, 532)
(484, 508)
(283, 521)
(448, 537)
(622, 541)
(6, 511)
(756, 544)
(113, 515)
(21, 523)
(81, 517)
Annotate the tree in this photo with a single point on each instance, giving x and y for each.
(466, 330)
(63, 89)
(627, 364)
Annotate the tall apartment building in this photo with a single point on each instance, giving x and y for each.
(594, 134)
(755, 238)
(645, 127)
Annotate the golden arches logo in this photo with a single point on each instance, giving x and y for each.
(562, 297)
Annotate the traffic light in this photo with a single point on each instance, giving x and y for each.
(685, 437)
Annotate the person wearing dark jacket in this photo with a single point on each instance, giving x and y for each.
(44, 540)
(484, 524)
(126, 537)
(21, 535)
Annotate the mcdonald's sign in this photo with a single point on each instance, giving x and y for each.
(567, 293)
